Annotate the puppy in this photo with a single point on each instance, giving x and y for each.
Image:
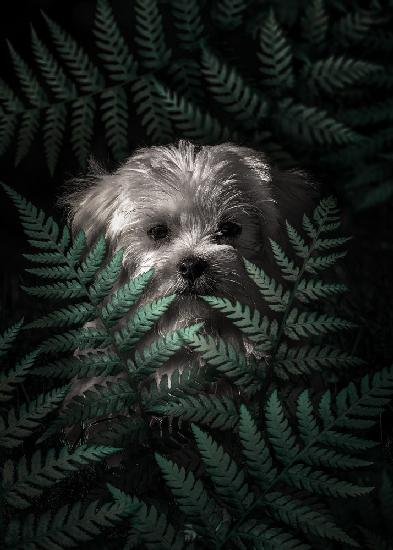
(192, 213)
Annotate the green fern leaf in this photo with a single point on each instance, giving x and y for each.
(317, 482)
(185, 76)
(228, 478)
(150, 36)
(254, 448)
(15, 375)
(124, 298)
(320, 263)
(75, 252)
(96, 364)
(302, 324)
(189, 118)
(82, 125)
(335, 73)
(188, 23)
(215, 412)
(227, 360)
(314, 289)
(296, 514)
(162, 349)
(330, 458)
(153, 527)
(228, 14)
(151, 110)
(273, 292)
(114, 51)
(8, 124)
(57, 272)
(28, 128)
(307, 423)
(315, 24)
(75, 314)
(58, 291)
(312, 125)
(71, 340)
(10, 102)
(70, 526)
(298, 244)
(274, 538)
(93, 261)
(258, 329)
(8, 337)
(229, 89)
(275, 56)
(23, 421)
(54, 129)
(28, 82)
(352, 27)
(141, 322)
(24, 481)
(193, 500)
(289, 270)
(106, 278)
(85, 73)
(280, 433)
(114, 114)
(59, 84)
(305, 359)
(123, 432)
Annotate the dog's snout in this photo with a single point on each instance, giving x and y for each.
(191, 268)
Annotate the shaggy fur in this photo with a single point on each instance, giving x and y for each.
(191, 191)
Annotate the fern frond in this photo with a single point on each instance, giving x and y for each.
(314, 24)
(82, 126)
(193, 499)
(275, 56)
(320, 263)
(57, 291)
(216, 412)
(26, 480)
(106, 278)
(272, 292)
(8, 337)
(162, 349)
(85, 73)
(228, 14)
(312, 125)
(152, 526)
(279, 431)
(302, 324)
(54, 130)
(254, 448)
(56, 79)
(258, 329)
(230, 90)
(253, 530)
(150, 37)
(23, 421)
(113, 49)
(314, 289)
(289, 271)
(188, 23)
(225, 359)
(29, 84)
(70, 525)
(185, 75)
(121, 432)
(336, 72)
(8, 124)
(93, 261)
(28, 128)
(75, 314)
(79, 338)
(141, 322)
(151, 110)
(114, 114)
(190, 119)
(229, 480)
(352, 27)
(15, 375)
(124, 298)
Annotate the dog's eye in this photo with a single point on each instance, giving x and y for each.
(228, 229)
(158, 232)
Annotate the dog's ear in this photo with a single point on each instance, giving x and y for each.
(90, 202)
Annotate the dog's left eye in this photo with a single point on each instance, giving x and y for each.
(228, 229)
(158, 232)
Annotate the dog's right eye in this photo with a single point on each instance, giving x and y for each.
(158, 232)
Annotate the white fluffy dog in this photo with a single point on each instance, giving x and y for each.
(192, 213)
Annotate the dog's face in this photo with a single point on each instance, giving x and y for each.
(192, 215)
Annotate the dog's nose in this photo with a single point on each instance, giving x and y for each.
(191, 268)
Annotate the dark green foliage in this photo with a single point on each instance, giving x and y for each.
(298, 80)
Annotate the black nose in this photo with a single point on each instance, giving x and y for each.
(191, 268)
